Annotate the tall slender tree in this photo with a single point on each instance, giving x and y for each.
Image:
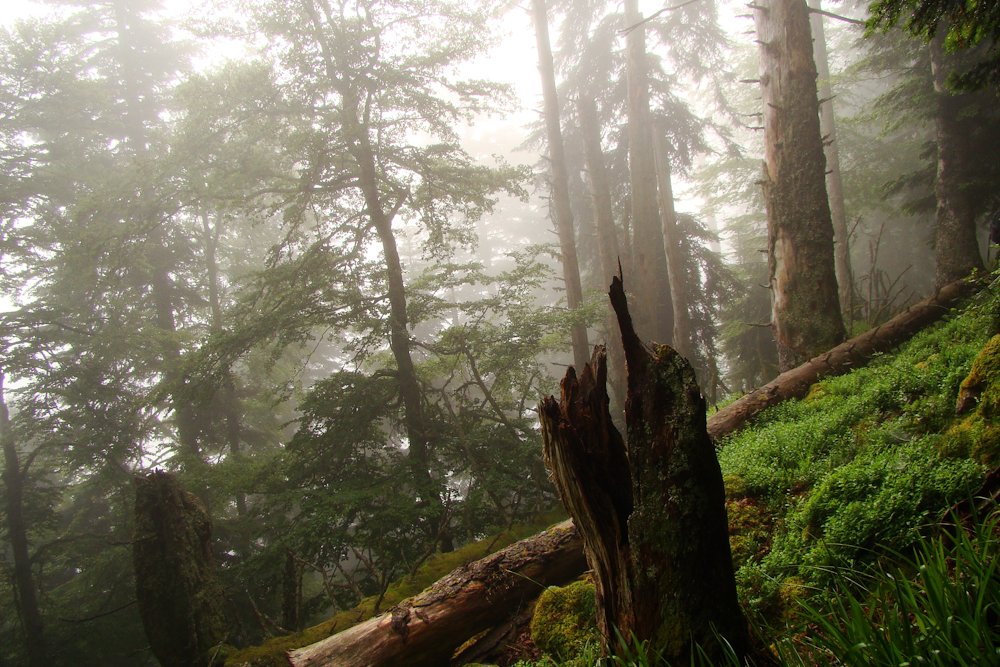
(560, 183)
(806, 310)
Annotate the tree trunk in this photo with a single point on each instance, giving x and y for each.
(850, 354)
(806, 309)
(651, 509)
(560, 182)
(654, 310)
(426, 629)
(552, 561)
(381, 215)
(834, 182)
(604, 221)
(17, 534)
(683, 339)
(179, 595)
(956, 250)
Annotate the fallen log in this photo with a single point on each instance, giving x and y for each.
(427, 628)
(795, 383)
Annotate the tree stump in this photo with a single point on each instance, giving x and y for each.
(650, 508)
(180, 598)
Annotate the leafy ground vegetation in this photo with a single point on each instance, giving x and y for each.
(839, 511)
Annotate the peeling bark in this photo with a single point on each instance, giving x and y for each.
(806, 308)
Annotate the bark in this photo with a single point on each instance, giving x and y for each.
(683, 339)
(834, 182)
(560, 182)
(650, 508)
(855, 352)
(806, 309)
(604, 221)
(654, 310)
(17, 535)
(179, 595)
(956, 250)
(427, 628)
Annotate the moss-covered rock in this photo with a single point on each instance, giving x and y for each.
(565, 619)
(981, 388)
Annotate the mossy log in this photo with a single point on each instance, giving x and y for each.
(650, 507)
(426, 629)
(850, 354)
(562, 559)
(179, 595)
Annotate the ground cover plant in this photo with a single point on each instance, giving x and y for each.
(836, 504)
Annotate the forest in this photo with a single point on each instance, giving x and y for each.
(449, 332)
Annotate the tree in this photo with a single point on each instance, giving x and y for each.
(560, 182)
(655, 308)
(806, 310)
(959, 25)
(834, 180)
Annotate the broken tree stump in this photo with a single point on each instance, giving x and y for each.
(179, 595)
(651, 507)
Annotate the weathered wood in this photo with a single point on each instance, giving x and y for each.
(850, 354)
(427, 628)
(806, 307)
(559, 561)
(650, 509)
(179, 595)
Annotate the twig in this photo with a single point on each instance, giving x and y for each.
(654, 15)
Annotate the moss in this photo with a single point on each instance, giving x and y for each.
(982, 385)
(750, 528)
(565, 619)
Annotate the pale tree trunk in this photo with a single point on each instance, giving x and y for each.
(650, 508)
(654, 310)
(956, 250)
(683, 338)
(560, 183)
(834, 182)
(230, 401)
(17, 534)
(607, 236)
(806, 308)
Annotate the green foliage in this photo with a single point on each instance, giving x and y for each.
(937, 607)
(864, 462)
(968, 24)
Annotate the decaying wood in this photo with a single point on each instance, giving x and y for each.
(556, 556)
(177, 587)
(796, 382)
(427, 628)
(650, 508)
